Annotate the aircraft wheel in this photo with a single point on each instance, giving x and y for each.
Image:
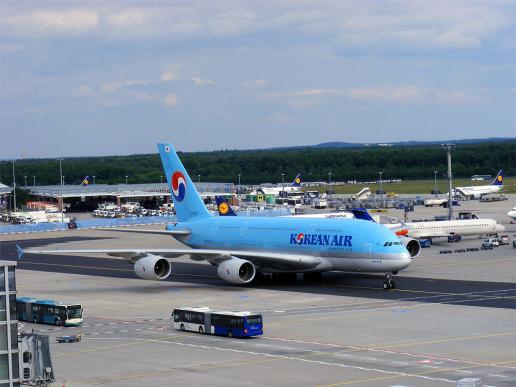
(386, 285)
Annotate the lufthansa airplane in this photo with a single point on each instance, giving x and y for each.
(476, 192)
(241, 247)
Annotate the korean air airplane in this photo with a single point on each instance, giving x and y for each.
(242, 247)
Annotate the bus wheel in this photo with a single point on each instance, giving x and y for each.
(35, 320)
(57, 322)
(230, 334)
(201, 330)
(182, 327)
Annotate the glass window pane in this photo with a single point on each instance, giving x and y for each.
(4, 367)
(14, 336)
(12, 278)
(16, 366)
(2, 279)
(3, 338)
(3, 311)
(12, 306)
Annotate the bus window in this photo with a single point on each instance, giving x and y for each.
(74, 311)
(254, 320)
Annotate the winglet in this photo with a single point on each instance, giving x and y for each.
(20, 251)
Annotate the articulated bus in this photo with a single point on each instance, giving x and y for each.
(204, 320)
(48, 311)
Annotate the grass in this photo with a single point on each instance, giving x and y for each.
(414, 186)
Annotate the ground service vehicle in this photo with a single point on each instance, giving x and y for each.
(205, 320)
(68, 339)
(48, 311)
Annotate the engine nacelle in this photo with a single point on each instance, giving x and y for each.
(152, 267)
(237, 271)
(413, 246)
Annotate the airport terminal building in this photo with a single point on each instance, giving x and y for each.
(87, 198)
(9, 354)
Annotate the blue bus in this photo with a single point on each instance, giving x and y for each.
(48, 311)
(207, 321)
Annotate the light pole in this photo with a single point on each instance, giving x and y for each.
(381, 186)
(448, 148)
(283, 183)
(126, 179)
(25, 178)
(435, 183)
(239, 191)
(329, 183)
(161, 179)
(61, 189)
(93, 179)
(34, 180)
(198, 178)
(14, 188)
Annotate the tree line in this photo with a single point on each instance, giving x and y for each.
(260, 166)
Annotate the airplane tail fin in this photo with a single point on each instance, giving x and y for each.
(297, 181)
(223, 207)
(187, 202)
(498, 179)
(361, 213)
(85, 181)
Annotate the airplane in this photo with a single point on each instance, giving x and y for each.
(476, 192)
(241, 247)
(225, 209)
(442, 228)
(294, 187)
(413, 246)
(512, 214)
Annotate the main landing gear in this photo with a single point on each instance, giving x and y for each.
(389, 283)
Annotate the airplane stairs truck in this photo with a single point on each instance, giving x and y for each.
(363, 194)
(242, 247)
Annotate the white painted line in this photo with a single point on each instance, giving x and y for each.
(123, 330)
(341, 354)
(465, 371)
(497, 376)
(368, 358)
(108, 333)
(399, 362)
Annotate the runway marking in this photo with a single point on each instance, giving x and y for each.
(395, 373)
(497, 376)
(384, 349)
(467, 263)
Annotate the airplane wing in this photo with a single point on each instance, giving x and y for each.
(260, 258)
(143, 231)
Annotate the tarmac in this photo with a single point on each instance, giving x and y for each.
(452, 316)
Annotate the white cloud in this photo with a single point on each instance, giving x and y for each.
(83, 91)
(390, 93)
(171, 100)
(171, 73)
(198, 81)
(418, 23)
(50, 23)
(115, 86)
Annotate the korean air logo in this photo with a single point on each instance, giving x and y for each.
(178, 186)
(500, 178)
(223, 208)
(299, 238)
(167, 148)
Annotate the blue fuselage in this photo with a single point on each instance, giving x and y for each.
(343, 244)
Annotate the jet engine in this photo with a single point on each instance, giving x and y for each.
(152, 267)
(413, 246)
(237, 271)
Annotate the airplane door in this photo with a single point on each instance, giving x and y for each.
(244, 228)
(367, 250)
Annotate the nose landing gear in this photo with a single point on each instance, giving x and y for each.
(389, 283)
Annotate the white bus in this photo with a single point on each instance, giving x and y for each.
(224, 323)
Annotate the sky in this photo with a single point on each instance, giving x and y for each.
(111, 78)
